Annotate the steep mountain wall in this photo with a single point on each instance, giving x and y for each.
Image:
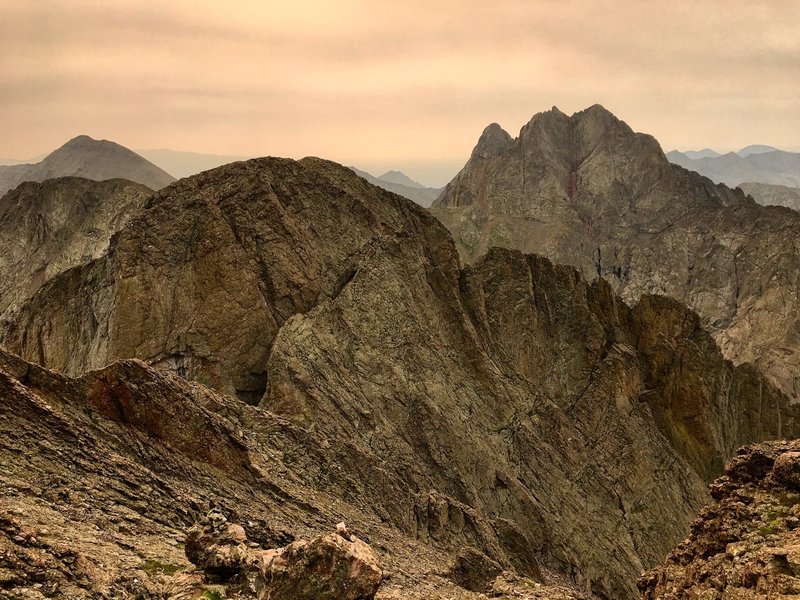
(510, 405)
(586, 190)
(47, 228)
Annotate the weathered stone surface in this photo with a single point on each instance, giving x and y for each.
(587, 191)
(336, 566)
(203, 280)
(101, 476)
(329, 567)
(511, 405)
(747, 544)
(473, 570)
(217, 546)
(773, 195)
(786, 470)
(48, 228)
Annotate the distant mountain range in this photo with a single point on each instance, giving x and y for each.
(757, 163)
(704, 153)
(773, 195)
(771, 176)
(89, 158)
(402, 185)
(711, 153)
(13, 161)
(100, 160)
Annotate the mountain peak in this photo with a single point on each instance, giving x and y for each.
(83, 156)
(596, 109)
(401, 179)
(493, 142)
(755, 149)
(596, 114)
(84, 142)
(81, 139)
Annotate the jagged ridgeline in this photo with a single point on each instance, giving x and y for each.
(510, 409)
(587, 191)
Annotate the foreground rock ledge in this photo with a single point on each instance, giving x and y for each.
(747, 544)
(334, 566)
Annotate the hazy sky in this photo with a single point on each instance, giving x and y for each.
(403, 84)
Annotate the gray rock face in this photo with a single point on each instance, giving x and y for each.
(101, 476)
(89, 158)
(773, 195)
(47, 228)
(493, 142)
(510, 406)
(586, 190)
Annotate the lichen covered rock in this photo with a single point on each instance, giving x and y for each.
(333, 566)
(747, 544)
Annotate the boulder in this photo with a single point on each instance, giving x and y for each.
(217, 547)
(786, 470)
(473, 570)
(335, 566)
(327, 567)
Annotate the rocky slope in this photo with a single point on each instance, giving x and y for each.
(773, 195)
(508, 407)
(588, 191)
(746, 544)
(89, 158)
(102, 477)
(47, 228)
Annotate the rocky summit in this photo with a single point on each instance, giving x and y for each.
(586, 190)
(507, 427)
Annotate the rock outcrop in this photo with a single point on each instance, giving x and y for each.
(47, 228)
(101, 476)
(335, 566)
(510, 406)
(92, 159)
(773, 195)
(586, 190)
(746, 544)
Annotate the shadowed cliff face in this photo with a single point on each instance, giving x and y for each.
(47, 228)
(586, 190)
(510, 405)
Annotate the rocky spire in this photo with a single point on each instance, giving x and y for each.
(493, 142)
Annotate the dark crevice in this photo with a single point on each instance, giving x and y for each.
(342, 282)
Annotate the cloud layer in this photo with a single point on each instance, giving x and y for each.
(391, 84)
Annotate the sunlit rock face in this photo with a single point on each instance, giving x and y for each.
(586, 190)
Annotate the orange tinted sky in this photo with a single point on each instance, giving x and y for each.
(406, 84)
